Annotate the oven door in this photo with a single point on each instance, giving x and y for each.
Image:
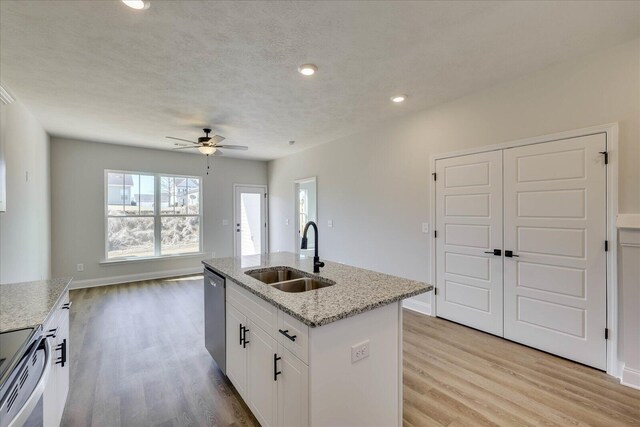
(22, 405)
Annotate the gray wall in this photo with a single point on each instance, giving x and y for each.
(25, 241)
(77, 205)
(375, 185)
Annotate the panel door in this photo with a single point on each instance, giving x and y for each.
(293, 390)
(469, 225)
(262, 386)
(555, 224)
(236, 351)
(250, 217)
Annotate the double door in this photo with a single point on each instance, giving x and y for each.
(520, 251)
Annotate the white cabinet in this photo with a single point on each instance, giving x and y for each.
(236, 350)
(262, 378)
(57, 388)
(293, 390)
(273, 382)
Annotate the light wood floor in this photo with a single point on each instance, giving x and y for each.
(138, 359)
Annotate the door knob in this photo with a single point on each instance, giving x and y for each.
(510, 254)
(496, 252)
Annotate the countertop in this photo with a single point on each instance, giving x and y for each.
(27, 305)
(356, 290)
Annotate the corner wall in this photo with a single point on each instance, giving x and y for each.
(77, 207)
(25, 241)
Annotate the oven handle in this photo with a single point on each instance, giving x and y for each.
(23, 414)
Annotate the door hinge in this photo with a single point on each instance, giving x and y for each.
(265, 195)
(606, 333)
(606, 246)
(606, 157)
(435, 176)
(435, 234)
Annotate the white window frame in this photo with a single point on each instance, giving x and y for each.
(157, 216)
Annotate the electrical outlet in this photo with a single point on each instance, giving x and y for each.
(80, 267)
(286, 221)
(425, 227)
(359, 351)
(330, 223)
(225, 222)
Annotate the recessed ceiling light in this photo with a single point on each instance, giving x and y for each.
(137, 4)
(398, 98)
(307, 69)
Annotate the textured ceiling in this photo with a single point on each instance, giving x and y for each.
(98, 70)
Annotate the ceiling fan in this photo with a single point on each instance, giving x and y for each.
(208, 145)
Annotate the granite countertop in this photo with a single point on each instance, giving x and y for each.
(27, 305)
(356, 290)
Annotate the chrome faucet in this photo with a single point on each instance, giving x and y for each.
(316, 259)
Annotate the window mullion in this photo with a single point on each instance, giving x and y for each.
(157, 227)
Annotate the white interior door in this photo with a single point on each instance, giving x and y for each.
(469, 226)
(555, 224)
(250, 220)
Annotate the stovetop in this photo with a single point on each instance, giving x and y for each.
(12, 346)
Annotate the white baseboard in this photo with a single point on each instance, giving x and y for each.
(114, 280)
(630, 378)
(418, 306)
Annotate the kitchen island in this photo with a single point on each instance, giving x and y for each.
(327, 356)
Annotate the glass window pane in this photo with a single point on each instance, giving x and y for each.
(193, 190)
(180, 234)
(167, 195)
(129, 194)
(130, 237)
(115, 193)
(146, 195)
(182, 196)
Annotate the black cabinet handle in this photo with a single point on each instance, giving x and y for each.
(509, 254)
(67, 306)
(63, 353)
(240, 334)
(496, 252)
(275, 367)
(52, 332)
(285, 333)
(244, 337)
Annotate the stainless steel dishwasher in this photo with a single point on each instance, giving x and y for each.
(215, 317)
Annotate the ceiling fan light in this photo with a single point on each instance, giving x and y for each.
(207, 150)
(137, 4)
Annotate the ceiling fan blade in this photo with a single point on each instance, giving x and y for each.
(216, 138)
(233, 147)
(182, 148)
(180, 139)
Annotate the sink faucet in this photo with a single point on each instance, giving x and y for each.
(316, 259)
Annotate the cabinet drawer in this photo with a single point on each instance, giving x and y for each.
(294, 336)
(258, 310)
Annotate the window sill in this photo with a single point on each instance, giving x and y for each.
(202, 255)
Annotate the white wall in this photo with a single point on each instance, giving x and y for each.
(25, 242)
(375, 185)
(77, 207)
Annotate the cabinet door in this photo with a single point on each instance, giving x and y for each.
(62, 371)
(50, 411)
(236, 352)
(262, 385)
(293, 390)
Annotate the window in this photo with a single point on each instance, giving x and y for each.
(151, 215)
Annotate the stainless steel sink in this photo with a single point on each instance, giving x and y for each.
(303, 285)
(281, 274)
(288, 279)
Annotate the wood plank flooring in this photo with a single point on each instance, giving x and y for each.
(138, 359)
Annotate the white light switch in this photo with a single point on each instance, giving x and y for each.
(425, 227)
(80, 267)
(225, 222)
(330, 223)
